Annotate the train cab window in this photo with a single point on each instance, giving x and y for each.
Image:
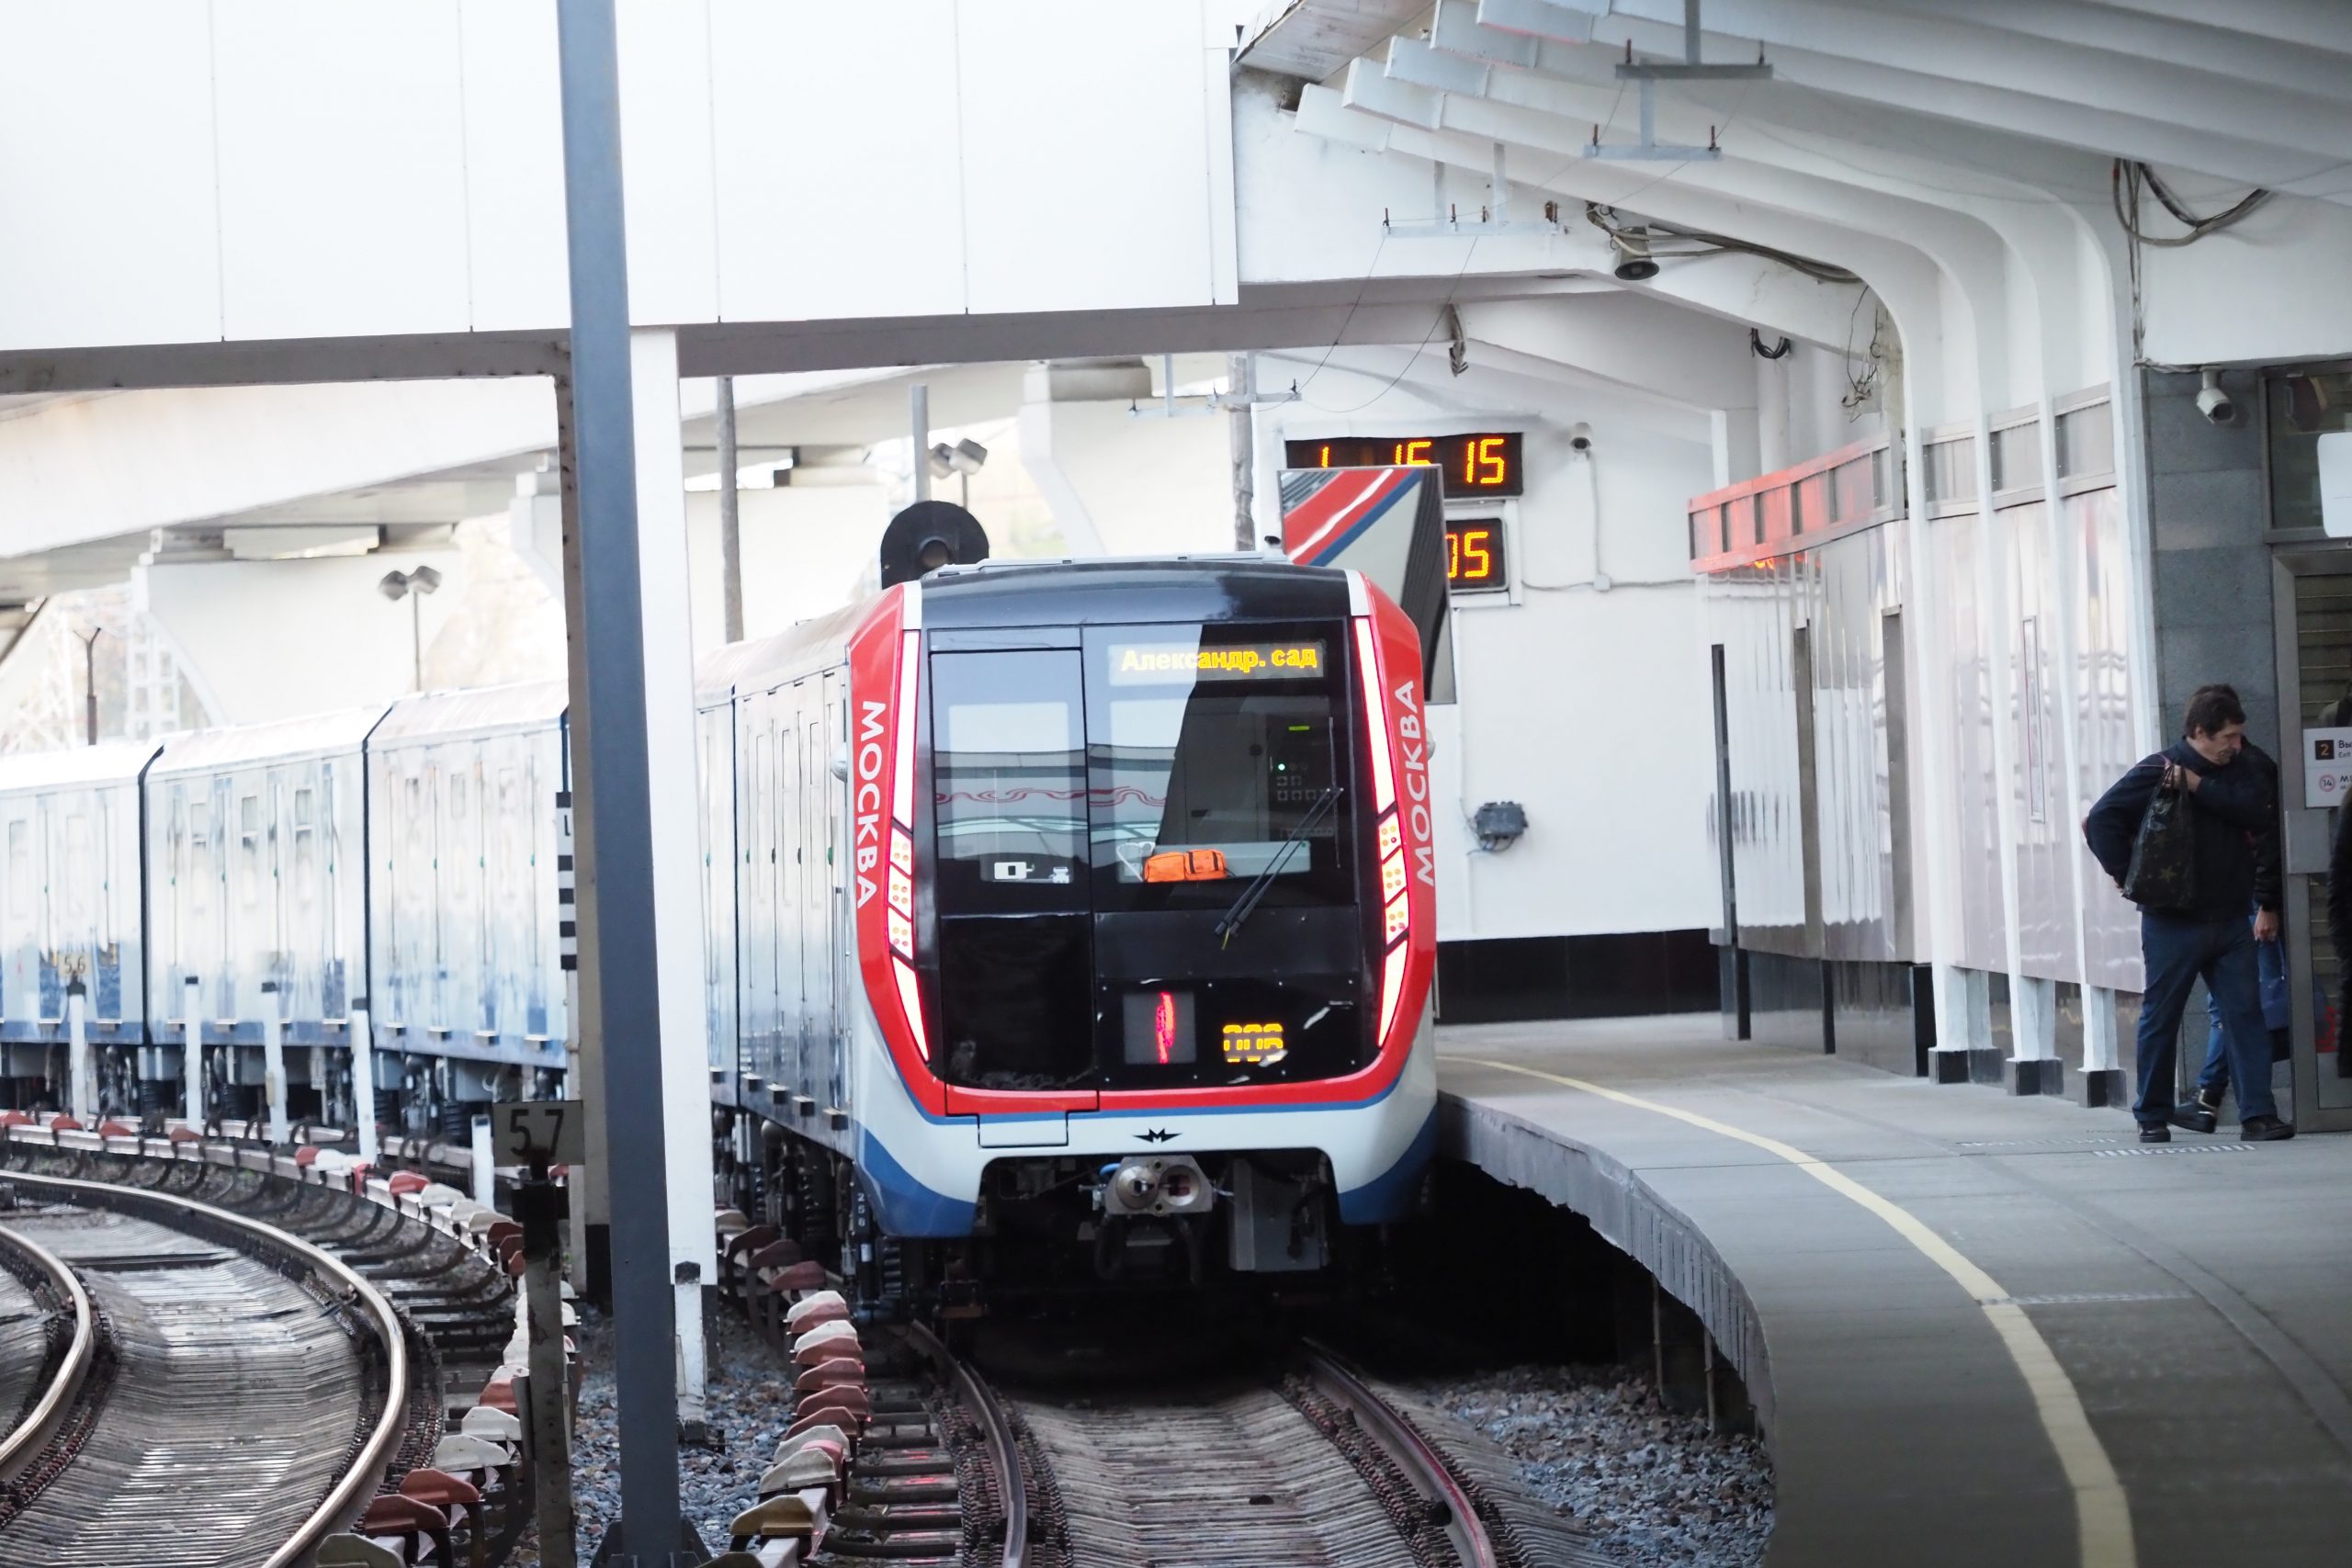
(1009, 798)
(1214, 756)
(1009, 780)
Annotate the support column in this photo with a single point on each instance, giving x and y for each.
(1241, 432)
(730, 514)
(588, 1186)
(610, 669)
(674, 791)
(2101, 1082)
(2034, 1065)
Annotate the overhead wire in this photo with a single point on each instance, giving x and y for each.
(2124, 187)
(1717, 243)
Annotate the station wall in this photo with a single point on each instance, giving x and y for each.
(1584, 705)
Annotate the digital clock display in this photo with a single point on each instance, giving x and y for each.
(1474, 554)
(1473, 465)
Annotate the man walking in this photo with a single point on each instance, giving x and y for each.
(2269, 958)
(2229, 805)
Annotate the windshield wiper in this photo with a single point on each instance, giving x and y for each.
(1247, 905)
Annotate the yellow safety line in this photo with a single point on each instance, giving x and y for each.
(2102, 1514)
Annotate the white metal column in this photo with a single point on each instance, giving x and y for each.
(363, 1079)
(80, 1098)
(273, 1052)
(674, 793)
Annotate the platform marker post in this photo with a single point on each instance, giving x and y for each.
(192, 1050)
(363, 1079)
(551, 1502)
(80, 1099)
(273, 1057)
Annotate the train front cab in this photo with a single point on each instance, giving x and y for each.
(1149, 954)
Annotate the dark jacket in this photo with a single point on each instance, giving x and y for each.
(2232, 811)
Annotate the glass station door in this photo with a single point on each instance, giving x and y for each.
(2313, 595)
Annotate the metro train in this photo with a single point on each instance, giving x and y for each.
(1067, 920)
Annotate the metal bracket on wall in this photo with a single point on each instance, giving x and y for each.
(1689, 68)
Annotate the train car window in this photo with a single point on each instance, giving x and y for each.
(1223, 740)
(20, 867)
(200, 873)
(79, 873)
(249, 847)
(306, 849)
(1009, 780)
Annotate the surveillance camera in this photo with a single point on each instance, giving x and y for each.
(2214, 404)
(1580, 438)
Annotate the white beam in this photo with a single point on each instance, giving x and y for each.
(1631, 341)
(2158, 115)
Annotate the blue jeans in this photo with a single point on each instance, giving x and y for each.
(2179, 949)
(2271, 969)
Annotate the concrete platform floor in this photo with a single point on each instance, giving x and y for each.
(1980, 1329)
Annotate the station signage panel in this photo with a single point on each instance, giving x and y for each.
(1474, 561)
(1486, 464)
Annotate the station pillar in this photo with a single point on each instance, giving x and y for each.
(674, 791)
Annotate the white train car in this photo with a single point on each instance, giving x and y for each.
(465, 942)
(70, 903)
(255, 872)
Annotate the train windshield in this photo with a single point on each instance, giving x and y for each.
(1214, 757)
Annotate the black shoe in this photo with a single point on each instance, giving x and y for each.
(2266, 1130)
(2154, 1133)
(2195, 1115)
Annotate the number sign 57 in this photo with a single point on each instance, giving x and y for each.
(553, 1131)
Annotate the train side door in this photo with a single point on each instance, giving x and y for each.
(756, 943)
(790, 1016)
(816, 956)
(833, 827)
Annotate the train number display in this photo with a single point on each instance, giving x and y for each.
(1485, 464)
(1474, 561)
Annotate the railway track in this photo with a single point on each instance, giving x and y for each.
(247, 1393)
(241, 1357)
(1313, 1466)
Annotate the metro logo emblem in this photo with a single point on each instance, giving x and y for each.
(1415, 749)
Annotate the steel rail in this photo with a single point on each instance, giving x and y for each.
(346, 1499)
(1423, 1465)
(32, 1434)
(996, 1434)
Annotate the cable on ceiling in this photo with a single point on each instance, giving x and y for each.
(1604, 218)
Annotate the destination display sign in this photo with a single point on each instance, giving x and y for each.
(1473, 465)
(1142, 663)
